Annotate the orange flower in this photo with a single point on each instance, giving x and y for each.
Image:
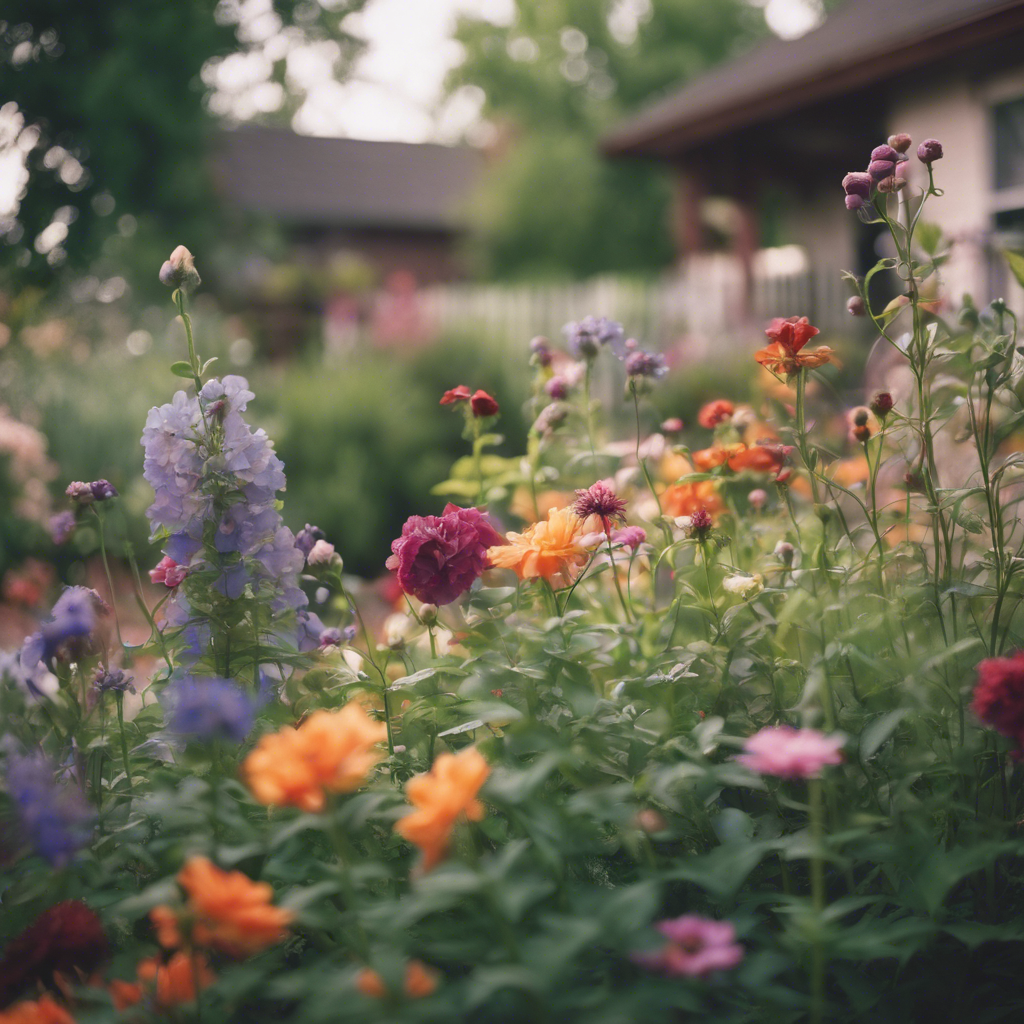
(176, 981)
(442, 796)
(784, 355)
(522, 505)
(232, 913)
(420, 981)
(685, 499)
(547, 549)
(330, 752)
(43, 1011)
(848, 472)
(761, 458)
(715, 412)
(165, 921)
(124, 993)
(706, 459)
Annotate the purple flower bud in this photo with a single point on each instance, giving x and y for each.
(885, 152)
(103, 490)
(857, 183)
(854, 202)
(307, 537)
(879, 169)
(541, 349)
(180, 271)
(106, 679)
(900, 142)
(646, 364)
(855, 306)
(929, 151)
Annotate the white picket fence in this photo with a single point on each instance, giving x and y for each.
(701, 312)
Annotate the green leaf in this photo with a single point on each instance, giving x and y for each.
(875, 734)
(1015, 261)
(182, 369)
(928, 236)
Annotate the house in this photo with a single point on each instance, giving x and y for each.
(759, 145)
(399, 206)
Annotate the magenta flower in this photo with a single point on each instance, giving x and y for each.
(437, 558)
(630, 536)
(790, 753)
(168, 572)
(696, 946)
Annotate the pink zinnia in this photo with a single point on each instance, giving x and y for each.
(437, 558)
(696, 946)
(168, 572)
(790, 753)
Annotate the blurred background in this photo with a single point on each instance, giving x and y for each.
(387, 198)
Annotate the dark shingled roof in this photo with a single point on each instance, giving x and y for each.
(308, 180)
(862, 42)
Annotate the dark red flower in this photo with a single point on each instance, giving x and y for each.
(999, 697)
(482, 404)
(66, 939)
(601, 501)
(459, 394)
(437, 558)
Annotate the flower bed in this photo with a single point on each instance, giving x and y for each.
(696, 739)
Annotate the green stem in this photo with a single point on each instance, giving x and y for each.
(110, 581)
(818, 902)
(124, 741)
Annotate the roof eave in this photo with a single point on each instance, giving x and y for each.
(664, 138)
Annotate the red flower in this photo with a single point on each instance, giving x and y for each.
(789, 335)
(715, 412)
(437, 558)
(999, 697)
(65, 939)
(459, 394)
(482, 404)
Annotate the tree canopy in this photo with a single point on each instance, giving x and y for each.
(106, 104)
(553, 79)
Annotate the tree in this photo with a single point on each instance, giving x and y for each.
(553, 80)
(107, 100)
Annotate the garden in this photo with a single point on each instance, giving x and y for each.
(655, 721)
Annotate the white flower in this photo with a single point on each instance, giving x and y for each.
(744, 586)
(398, 628)
(591, 541)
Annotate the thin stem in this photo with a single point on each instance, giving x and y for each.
(124, 742)
(818, 902)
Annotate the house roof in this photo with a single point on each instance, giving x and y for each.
(862, 42)
(309, 180)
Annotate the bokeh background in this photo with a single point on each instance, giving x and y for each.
(387, 198)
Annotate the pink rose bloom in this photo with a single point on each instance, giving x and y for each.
(696, 946)
(320, 553)
(790, 753)
(168, 572)
(437, 558)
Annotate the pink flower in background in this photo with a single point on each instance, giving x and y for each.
(168, 572)
(437, 558)
(696, 946)
(790, 753)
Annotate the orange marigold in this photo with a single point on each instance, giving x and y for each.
(442, 796)
(232, 912)
(685, 499)
(176, 981)
(547, 549)
(420, 981)
(329, 752)
(784, 355)
(41, 1011)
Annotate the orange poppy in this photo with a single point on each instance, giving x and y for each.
(329, 752)
(232, 912)
(420, 981)
(547, 549)
(441, 797)
(685, 499)
(176, 981)
(715, 412)
(784, 355)
(41, 1011)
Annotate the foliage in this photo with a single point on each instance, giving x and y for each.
(554, 79)
(567, 734)
(112, 114)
